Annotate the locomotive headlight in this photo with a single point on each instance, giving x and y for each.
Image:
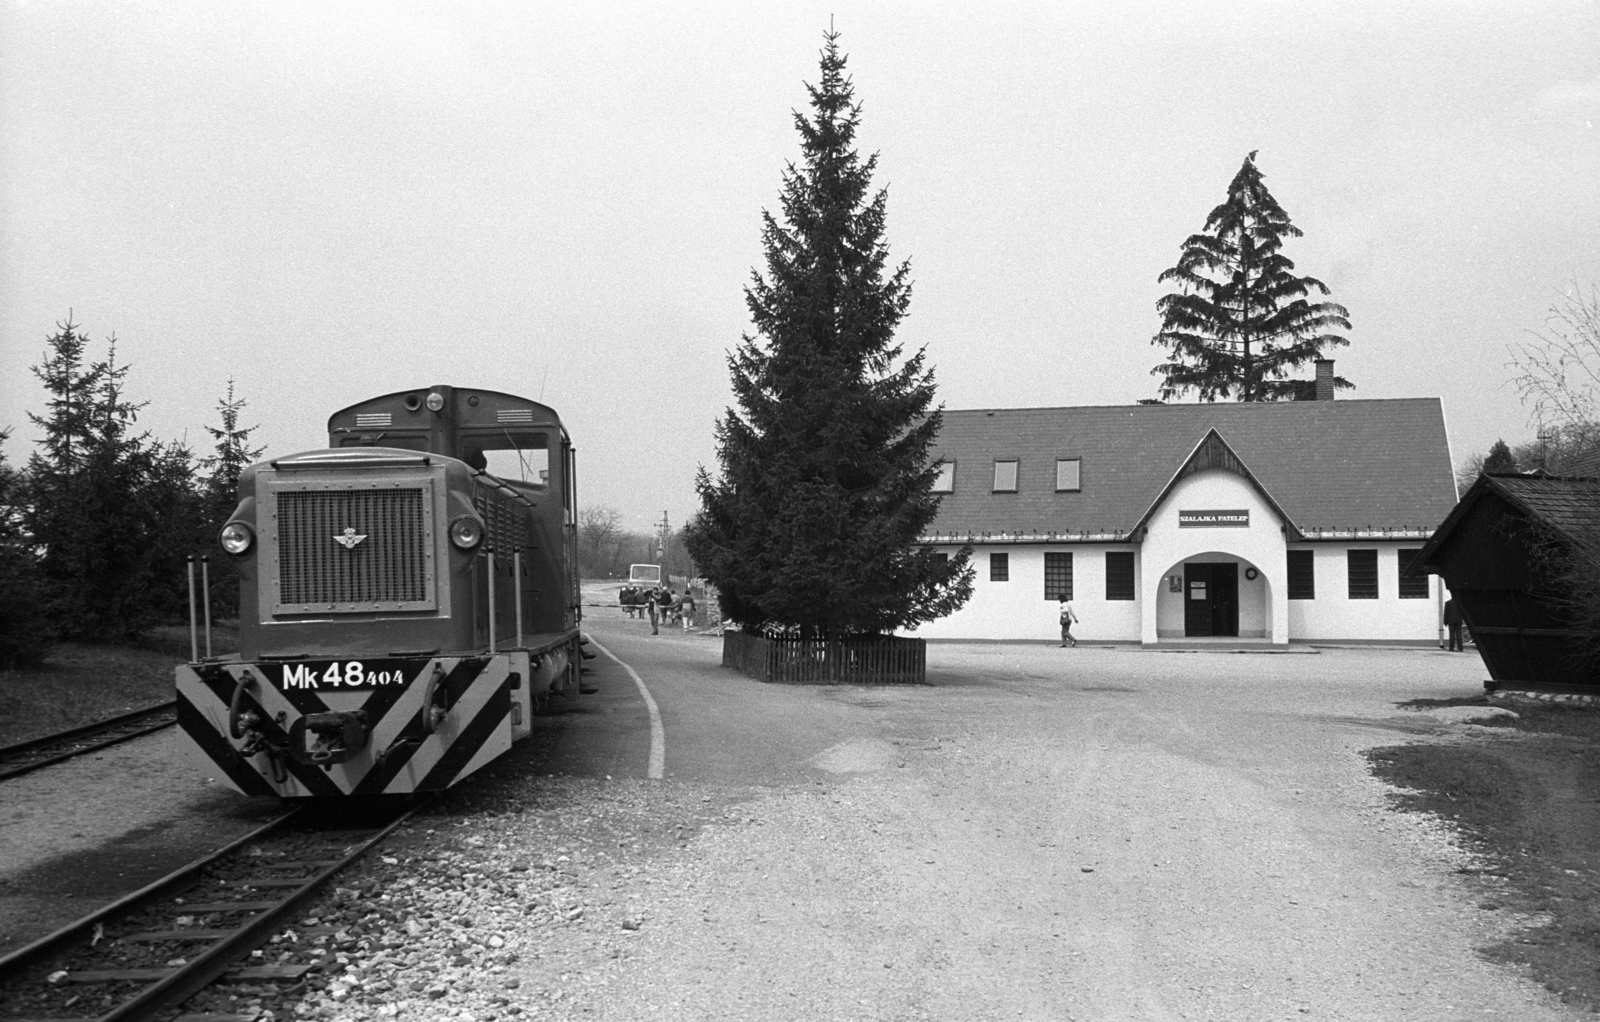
(435, 401)
(466, 532)
(236, 538)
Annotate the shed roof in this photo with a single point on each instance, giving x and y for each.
(1568, 504)
(1333, 466)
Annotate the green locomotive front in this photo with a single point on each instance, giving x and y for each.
(408, 600)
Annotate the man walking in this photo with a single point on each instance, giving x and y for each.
(664, 601)
(1068, 618)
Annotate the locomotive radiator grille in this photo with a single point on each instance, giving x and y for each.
(350, 549)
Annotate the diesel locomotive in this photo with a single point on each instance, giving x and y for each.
(408, 599)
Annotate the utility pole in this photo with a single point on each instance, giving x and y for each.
(661, 547)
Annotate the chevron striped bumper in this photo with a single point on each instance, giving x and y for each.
(408, 724)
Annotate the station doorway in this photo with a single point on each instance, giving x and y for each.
(1211, 599)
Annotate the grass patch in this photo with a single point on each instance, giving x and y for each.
(81, 683)
(1531, 809)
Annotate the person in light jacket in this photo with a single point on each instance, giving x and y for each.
(1069, 617)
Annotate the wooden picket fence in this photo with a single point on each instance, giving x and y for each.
(867, 660)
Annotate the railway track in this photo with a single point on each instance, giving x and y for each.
(37, 752)
(142, 957)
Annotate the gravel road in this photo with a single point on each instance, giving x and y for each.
(1091, 834)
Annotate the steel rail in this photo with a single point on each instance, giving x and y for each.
(211, 963)
(30, 953)
(160, 998)
(83, 733)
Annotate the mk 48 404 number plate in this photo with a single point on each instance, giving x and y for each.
(348, 675)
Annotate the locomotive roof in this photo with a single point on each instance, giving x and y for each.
(470, 407)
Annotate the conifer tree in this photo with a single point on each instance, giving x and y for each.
(827, 475)
(1241, 320)
(1499, 459)
(112, 511)
(220, 495)
(25, 627)
(234, 455)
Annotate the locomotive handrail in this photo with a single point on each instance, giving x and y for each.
(504, 487)
(350, 460)
(493, 608)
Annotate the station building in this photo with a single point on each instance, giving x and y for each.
(1269, 521)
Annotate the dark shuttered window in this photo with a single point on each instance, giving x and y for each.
(1119, 575)
(1363, 574)
(1302, 575)
(999, 567)
(1412, 587)
(1057, 575)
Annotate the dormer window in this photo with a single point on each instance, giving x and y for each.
(1069, 475)
(946, 481)
(1005, 476)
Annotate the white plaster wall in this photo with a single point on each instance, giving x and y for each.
(1169, 606)
(1333, 616)
(1253, 607)
(1017, 609)
(1261, 545)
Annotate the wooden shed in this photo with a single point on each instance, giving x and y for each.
(1498, 553)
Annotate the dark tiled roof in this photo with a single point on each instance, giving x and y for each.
(1333, 465)
(1569, 505)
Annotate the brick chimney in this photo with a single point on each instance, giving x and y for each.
(1324, 379)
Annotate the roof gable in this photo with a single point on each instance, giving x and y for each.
(1213, 452)
(1332, 467)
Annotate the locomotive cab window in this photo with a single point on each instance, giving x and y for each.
(520, 457)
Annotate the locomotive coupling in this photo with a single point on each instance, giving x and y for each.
(334, 737)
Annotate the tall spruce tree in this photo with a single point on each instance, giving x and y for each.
(111, 511)
(827, 475)
(1240, 320)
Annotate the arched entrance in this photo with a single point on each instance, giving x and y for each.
(1214, 595)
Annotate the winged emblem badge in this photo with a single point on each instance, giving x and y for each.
(349, 539)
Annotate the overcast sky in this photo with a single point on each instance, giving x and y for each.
(329, 201)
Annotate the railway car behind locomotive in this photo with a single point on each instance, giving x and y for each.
(408, 599)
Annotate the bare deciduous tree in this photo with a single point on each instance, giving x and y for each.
(599, 527)
(1558, 377)
(1558, 372)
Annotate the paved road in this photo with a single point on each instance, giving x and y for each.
(1090, 834)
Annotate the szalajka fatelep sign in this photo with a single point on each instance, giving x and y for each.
(1214, 519)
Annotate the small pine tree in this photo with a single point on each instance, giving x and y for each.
(220, 495)
(827, 474)
(1240, 320)
(234, 455)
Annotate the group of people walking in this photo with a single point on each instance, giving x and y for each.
(661, 603)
